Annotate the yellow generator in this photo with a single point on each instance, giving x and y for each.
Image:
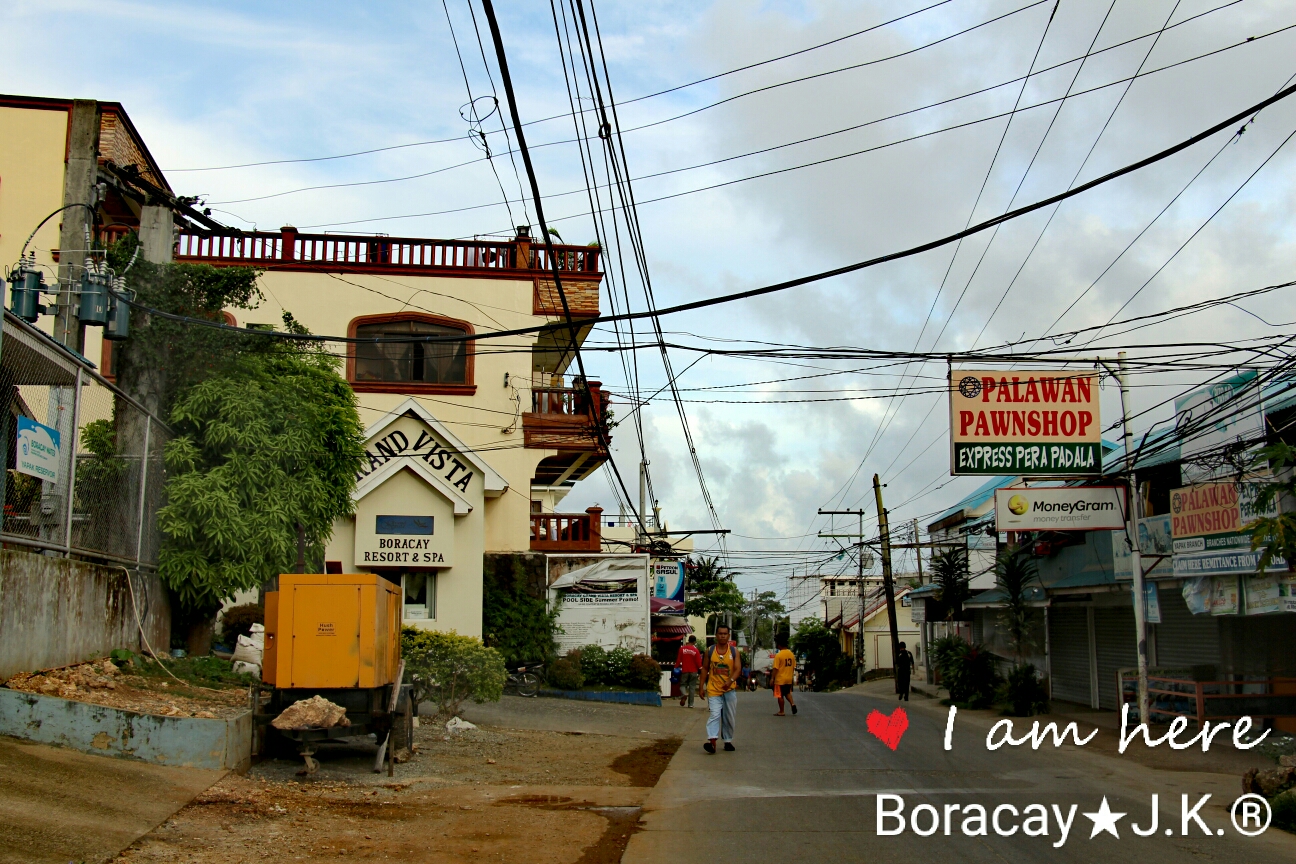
(337, 635)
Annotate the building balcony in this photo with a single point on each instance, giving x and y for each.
(519, 258)
(567, 532)
(567, 419)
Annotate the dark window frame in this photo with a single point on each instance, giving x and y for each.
(467, 388)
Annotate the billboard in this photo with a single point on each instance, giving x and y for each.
(1154, 546)
(603, 600)
(1030, 423)
(1232, 410)
(1064, 508)
(1209, 523)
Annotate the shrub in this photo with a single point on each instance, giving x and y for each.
(566, 675)
(1022, 693)
(618, 666)
(448, 669)
(238, 620)
(516, 623)
(644, 673)
(967, 671)
(1284, 810)
(594, 665)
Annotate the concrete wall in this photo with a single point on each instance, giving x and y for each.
(56, 611)
(186, 742)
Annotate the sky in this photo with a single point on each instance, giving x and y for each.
(217, 85)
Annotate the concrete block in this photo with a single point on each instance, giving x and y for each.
(188, 742)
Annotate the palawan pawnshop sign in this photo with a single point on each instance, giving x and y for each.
(1033, 423)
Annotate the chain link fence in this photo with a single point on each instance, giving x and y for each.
(83, 461)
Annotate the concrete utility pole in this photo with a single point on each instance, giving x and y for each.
(78, 188)
(643, 497)
(1131, 527)
(887, 585)
(859, 582)
(926, 625)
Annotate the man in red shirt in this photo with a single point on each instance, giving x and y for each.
(689, 662)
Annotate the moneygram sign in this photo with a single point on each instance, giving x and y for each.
(1069, 508)
(1031, 423)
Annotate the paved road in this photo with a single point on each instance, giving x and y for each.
(808, 785)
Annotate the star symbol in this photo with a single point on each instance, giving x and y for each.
(1104, 820)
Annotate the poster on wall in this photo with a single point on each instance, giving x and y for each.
(37, 450)
(1225, 596)
(1154, 547)
(1151, 603)
(602, 600)
(1027, 422)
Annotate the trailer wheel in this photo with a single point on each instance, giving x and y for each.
(276, 746)
(402, 733)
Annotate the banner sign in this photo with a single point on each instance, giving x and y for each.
(1033, 423)
(1208, 524)
(668, 579)
(1154, 545)
(1235, 405)
(602, 600)
(1066, 508)
(38, 450)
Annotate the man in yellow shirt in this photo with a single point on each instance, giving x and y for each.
(784, 676)
(720, 667)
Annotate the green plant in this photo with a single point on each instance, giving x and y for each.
(951, 576)
(709, 588)
(1015, 569)
(594, 665)
(1275, 536)
(566, 675)
(618, 665)
(1022, 693)
(967, 671)
(122, 657)
(1283, 806)
(272, 443)
(21, 491)
(237, 621)
(448, 669)
(520, 626)
(201, 671)
(644, 673)
(822, 653)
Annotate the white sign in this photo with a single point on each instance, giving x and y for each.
(604, 601)
(38, 450)
(1066, 508)
(1229, 410)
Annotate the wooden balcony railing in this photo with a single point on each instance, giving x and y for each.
(566, 532)
(292, 250)
(566, 418)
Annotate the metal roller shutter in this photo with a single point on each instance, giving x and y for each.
(1069, 658)
(1182, 638)
(1114, 635)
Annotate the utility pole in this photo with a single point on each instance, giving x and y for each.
(887, 585)
(643, 496)
(1132, 538)
(859, 585)
(78, 189)
(926, 625)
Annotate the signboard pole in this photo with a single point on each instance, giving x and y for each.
(1131, 527)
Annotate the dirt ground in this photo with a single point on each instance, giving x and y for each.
(103, 683)
(505, 791)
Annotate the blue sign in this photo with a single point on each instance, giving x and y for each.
(38, 450)
(668, 580)
(403, 525)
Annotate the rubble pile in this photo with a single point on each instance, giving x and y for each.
(66, 682)
(313, 713)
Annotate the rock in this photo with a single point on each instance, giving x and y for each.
(1286, 761)
(1269, 782)
(458, 724)
(109, 667)
(206, 715)
(313, 713)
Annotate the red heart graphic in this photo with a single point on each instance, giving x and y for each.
(888, 730)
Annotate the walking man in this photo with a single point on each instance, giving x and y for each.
(784, 676)
(689, 662)
(720, 668)
(903, 670)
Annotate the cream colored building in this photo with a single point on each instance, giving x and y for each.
(470, 445)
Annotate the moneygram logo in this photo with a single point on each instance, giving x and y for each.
(1249, 815)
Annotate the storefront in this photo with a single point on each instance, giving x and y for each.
(420, 519)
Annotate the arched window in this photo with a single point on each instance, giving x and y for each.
(410, 367)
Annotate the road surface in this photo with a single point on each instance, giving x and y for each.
(807, 788)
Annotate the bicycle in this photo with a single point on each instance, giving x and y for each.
(525, 680)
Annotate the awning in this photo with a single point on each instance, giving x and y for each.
(662, 606)
(673, 630)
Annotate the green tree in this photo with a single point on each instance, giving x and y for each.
(709, 588)
(1015, 569)
(759, 615)
(516, 623)
(1275, 536)
(272, 442)
(950, 575)
(448, 669)
(822, 652)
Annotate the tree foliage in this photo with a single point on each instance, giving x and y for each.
(1275, 536)
(271, 442)
(822, 652)
(709, 588)
(448, 669)
(516, 623)
(967, 671)
(950, 574)
(1015, 569)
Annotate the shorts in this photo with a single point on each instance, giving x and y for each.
(782, 691)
